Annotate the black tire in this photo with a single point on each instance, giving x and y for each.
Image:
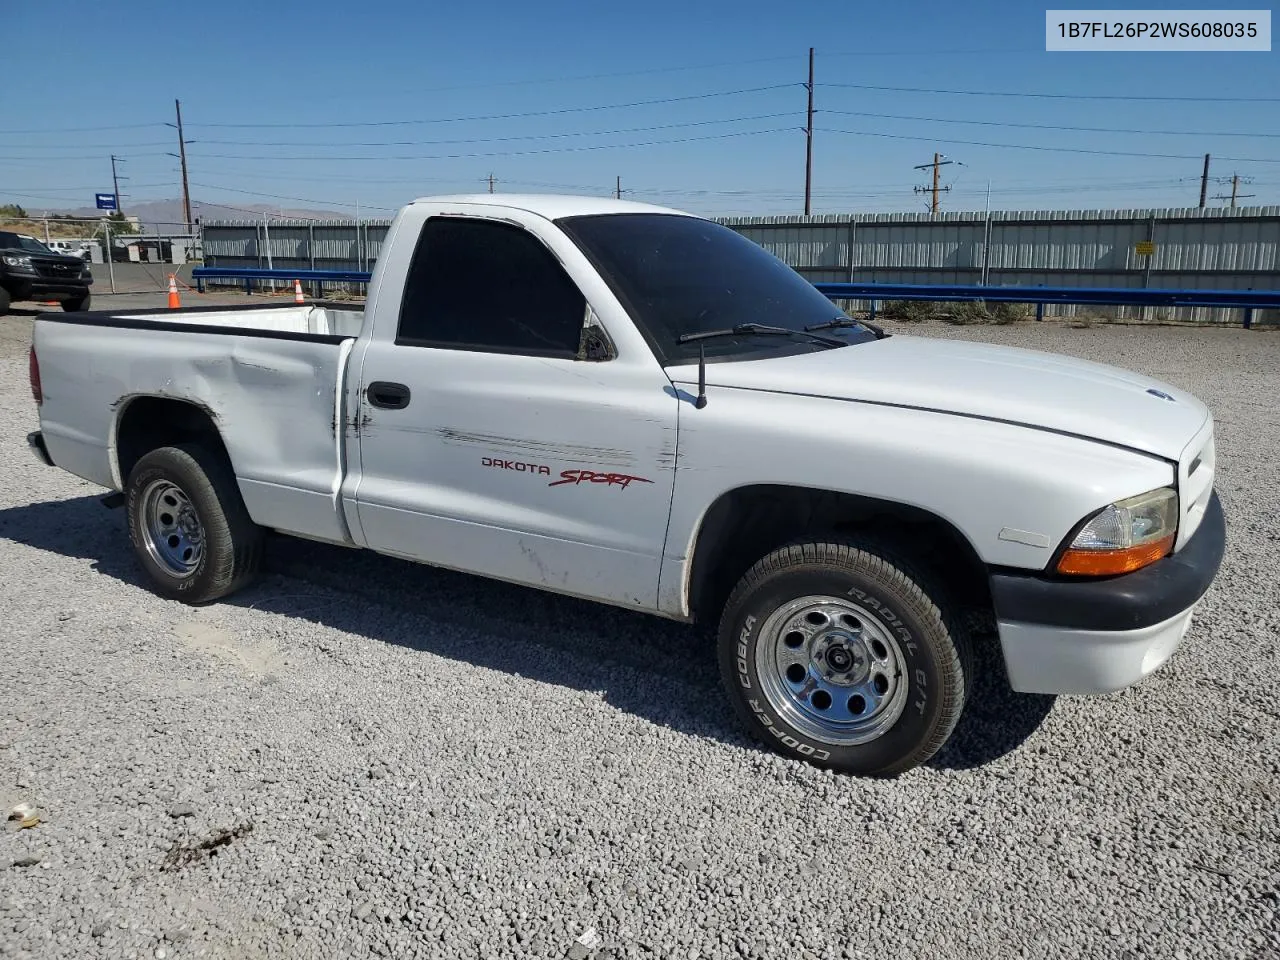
(932, 649)
(4, 301)
(231, 542)
(75, 306)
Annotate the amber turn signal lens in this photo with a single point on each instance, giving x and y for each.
(1103, 563)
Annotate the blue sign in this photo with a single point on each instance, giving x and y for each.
(106, 201)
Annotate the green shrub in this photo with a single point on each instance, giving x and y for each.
(1003, 313)
(910, 311)
(967, 312)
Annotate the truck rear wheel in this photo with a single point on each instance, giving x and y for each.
(189, 527)
(836, 653)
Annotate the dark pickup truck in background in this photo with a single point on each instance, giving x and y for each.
(31, 271)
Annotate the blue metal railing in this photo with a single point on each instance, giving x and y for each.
(251, 275)
(1246, 300)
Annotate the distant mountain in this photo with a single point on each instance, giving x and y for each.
(167, 213)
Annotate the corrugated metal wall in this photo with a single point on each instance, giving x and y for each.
(1207, 249)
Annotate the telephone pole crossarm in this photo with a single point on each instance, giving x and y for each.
(938, 162)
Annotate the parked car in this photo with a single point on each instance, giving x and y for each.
(29, 270)
(643, 408)
(70, 248)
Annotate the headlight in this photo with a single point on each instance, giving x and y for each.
(1124, 536)
(18, 262)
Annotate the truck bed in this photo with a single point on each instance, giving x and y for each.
(328, 321)
(271, 379)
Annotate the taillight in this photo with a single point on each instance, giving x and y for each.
(33, 374)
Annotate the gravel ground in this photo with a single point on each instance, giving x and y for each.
(360, 756)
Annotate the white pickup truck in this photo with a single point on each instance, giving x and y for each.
(641, 407)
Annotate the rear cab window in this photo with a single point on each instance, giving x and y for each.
(493, 287)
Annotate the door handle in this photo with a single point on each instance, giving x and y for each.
(389, 396)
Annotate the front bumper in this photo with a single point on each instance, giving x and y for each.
(34, 287)
(1099, 636)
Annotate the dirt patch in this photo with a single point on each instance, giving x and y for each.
(187, 852)
(211, 639)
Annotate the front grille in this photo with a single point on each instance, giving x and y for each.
(56, 269)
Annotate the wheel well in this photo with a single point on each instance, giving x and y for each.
(151, 422)
(745, 524)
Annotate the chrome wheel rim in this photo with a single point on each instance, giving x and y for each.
(832, 670)
(171, 528)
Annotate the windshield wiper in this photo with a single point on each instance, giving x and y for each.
(848, 322)
(759, 329)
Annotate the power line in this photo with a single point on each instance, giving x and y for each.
(1024, 146)
(648, 71)
(256, 213)
(1054, 96)
(88, 187)
(501, 153)
(499, 116)
(87, 156)
(89, 146)
(277, 196)
(1047, 126)
(122, 126)
(535, 136)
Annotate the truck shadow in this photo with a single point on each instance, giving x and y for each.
(662, 671)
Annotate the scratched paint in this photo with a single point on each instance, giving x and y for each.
(544, 449)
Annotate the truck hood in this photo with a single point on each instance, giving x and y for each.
(1028, 387)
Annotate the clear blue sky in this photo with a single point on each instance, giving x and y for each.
(265, 66)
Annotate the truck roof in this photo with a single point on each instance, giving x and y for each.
(552, 206)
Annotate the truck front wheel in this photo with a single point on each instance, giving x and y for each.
(189, 527)
(835, 652)
(76, 306)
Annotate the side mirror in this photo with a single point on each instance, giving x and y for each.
(594, 345)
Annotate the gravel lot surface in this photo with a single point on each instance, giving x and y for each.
(361, 756)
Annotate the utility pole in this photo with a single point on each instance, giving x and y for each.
(491, 183)
(115, 183)
(808, 145)
(938, 162)
(1204, 181)
(1235, 182)
(617, 190)
(986, 239)
(182, 156)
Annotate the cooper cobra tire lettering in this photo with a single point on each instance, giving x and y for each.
(808, 749)
(744, 676)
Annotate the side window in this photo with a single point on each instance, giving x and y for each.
(491, 287)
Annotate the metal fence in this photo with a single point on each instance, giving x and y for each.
(1212, 249)
(129, 242)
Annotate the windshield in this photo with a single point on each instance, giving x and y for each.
(678, 275)
(16, 241)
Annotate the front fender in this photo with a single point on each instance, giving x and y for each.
(1013, 492)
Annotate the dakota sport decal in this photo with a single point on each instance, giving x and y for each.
(575, 477)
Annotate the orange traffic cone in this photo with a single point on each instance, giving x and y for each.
(174, 302)
(297, 292)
